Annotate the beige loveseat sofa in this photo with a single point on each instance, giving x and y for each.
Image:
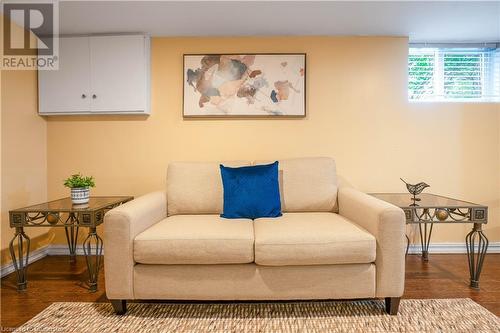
(332, 242)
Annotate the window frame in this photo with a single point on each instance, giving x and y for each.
(488, 84)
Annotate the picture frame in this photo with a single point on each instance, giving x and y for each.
(244, 85)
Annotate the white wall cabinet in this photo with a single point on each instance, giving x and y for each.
(98, 75)
(67, 90)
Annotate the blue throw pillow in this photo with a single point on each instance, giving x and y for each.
(251, 191)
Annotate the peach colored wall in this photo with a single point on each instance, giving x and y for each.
(357, 112)
(23, 151)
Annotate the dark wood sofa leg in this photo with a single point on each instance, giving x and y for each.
(392, 305)
(119, 305)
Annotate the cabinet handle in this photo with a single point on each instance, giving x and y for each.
(84, 96)
(94, 96)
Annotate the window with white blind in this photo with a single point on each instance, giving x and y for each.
(454, 74)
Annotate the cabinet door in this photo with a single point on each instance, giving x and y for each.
(67, 90)
(118, 74)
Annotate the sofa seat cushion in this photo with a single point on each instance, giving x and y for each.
(196, 239)
(311, 239)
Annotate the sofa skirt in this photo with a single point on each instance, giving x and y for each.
(253, 282)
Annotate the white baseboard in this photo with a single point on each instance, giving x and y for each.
(34, 256)
(443, 248)
(49, 250)
(62, 249)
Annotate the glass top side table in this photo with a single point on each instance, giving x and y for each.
(62, 213)
(435, 209)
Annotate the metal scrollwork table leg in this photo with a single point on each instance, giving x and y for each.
(477, 245)
(93, 257)
(425, 238)
(21, 260)
(72, 236)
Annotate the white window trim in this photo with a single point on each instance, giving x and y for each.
(488, 84)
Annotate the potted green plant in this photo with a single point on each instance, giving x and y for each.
(80, 188)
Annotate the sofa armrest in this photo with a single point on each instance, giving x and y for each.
(387, 223)
(121, 225)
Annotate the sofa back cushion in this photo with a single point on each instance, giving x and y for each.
(307, 184)
(196, 187)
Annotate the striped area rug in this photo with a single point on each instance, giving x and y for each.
(443, 315)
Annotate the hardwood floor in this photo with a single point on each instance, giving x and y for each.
(55, 279)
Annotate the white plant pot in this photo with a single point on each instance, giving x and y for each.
(80, 195)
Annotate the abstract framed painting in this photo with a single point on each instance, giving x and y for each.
(244, 85)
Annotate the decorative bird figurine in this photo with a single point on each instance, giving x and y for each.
(415, 189)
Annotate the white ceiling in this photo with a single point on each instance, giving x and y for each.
(447, 21)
